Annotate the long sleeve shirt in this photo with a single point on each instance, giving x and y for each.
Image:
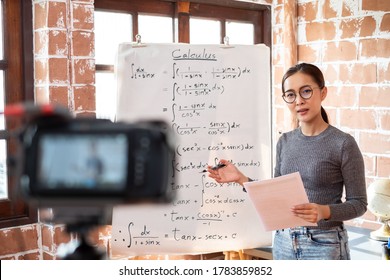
(332, 170)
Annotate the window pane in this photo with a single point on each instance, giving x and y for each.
(155, 29)
(3, 147)
(240, 33)
(1, 30)
(111, 29)
(105, 95)
(204, 31)
(3, 170)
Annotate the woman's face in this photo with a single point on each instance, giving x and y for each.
(307, 108)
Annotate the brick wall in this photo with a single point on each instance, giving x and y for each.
(348, 40)
(64, 54)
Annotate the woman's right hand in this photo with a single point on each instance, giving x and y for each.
(228, 173)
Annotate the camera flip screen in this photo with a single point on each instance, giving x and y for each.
(82, 162)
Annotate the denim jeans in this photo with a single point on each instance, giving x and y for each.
(302, 243)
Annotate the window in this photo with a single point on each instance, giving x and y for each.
(106, 42)
(16, 85)
(240, 32)
(3, 147)
(168, 21)
(198, 34)
(147, 28)
(116, 22)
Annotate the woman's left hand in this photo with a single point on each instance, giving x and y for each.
(311, 212)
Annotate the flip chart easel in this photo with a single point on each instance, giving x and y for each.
(217, 100)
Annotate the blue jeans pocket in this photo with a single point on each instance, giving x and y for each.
(326, 238)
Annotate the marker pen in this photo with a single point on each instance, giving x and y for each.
(215, 167)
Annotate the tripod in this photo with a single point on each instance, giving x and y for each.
(85, 251)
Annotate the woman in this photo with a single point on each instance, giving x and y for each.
(327, 160)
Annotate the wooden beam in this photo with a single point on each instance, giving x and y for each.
(183, 16)
(290, 33)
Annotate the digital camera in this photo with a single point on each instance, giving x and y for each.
(77, 166)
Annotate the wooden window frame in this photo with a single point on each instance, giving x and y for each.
(19, 86)
(257, 14)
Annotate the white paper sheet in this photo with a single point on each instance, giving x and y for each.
(274, 198)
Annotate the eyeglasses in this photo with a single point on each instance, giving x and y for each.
(305, 92)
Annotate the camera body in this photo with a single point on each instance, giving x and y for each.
(82, 167)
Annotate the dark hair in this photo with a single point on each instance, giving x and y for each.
(314, 72)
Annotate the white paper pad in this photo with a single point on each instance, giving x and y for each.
(274, 198)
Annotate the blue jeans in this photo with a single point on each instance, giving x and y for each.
(302, 243)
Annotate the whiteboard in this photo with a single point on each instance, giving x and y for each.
(217, 100)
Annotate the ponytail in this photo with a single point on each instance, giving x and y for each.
(324, 115)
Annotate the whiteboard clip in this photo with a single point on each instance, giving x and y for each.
(138, 42)
(226, 44)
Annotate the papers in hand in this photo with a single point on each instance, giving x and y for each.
(274, 198)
